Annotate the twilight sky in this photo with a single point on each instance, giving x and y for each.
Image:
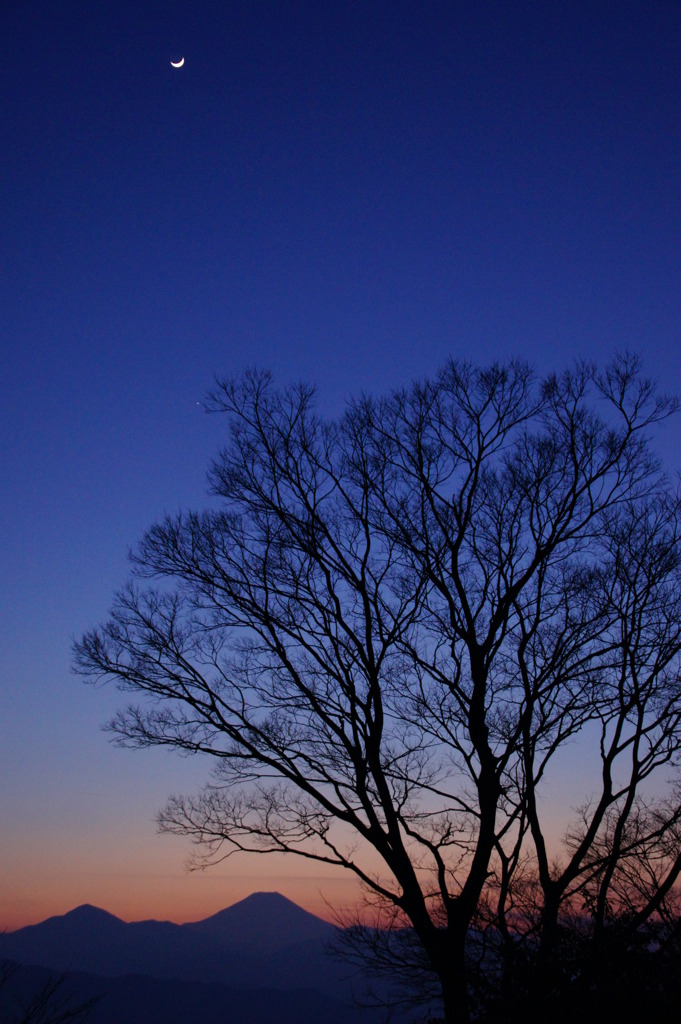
(347, 196)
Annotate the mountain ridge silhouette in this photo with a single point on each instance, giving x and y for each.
(263, 940)
(265, 920)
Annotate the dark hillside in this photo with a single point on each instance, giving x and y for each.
(144, 1000)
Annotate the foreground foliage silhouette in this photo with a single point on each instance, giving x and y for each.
(51, 1002)
(387, 629)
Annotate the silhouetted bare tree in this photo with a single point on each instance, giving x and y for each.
(50, 1003)
(390, 627)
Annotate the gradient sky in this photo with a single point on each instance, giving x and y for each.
(346, 196)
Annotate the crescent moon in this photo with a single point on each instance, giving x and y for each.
(177, 64)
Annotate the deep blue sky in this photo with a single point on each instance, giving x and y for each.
(346, 196)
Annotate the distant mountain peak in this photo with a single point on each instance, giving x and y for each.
(88, 912)
(265, 920)
(269, 898)
(265, 905)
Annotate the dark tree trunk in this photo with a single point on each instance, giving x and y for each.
(451, 967)
(454, 999)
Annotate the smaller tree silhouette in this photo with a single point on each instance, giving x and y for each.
(51, 1003)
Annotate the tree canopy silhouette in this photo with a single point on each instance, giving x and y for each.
(387, 628)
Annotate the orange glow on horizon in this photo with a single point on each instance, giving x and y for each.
(167, 895)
